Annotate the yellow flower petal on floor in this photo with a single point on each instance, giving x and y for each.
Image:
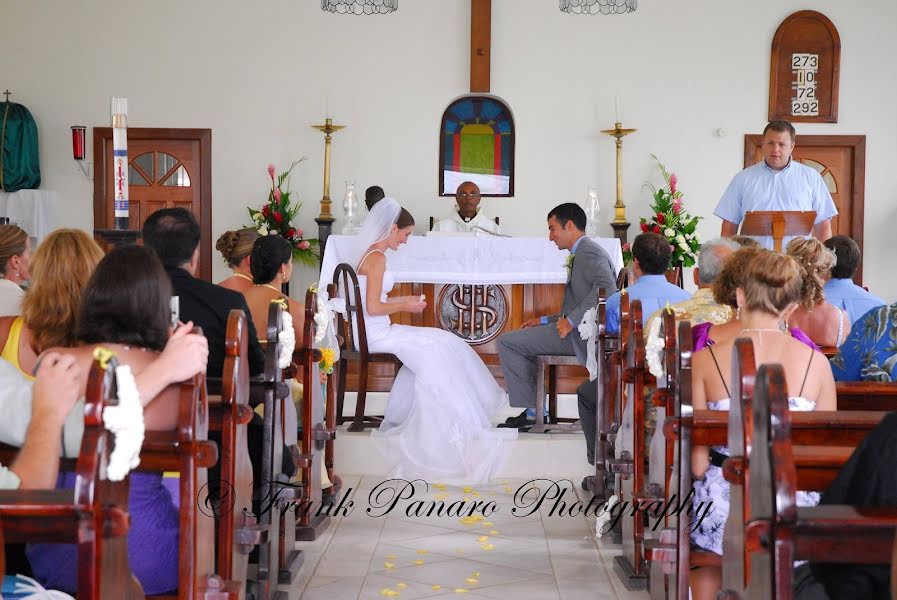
(483, 538)
(422, 551)
(436, 587)
(441, 497)
(461, 591)
(472, 580)
(477, 574)
(487, 547)
(389, 565)
(472, 520)
(391, 557)
(487, 524)
(439, 486)
(475, 495)
(388, 592)
(467, 489)
(419, 563)
(401, 586)
(509, 489)
(493, 532)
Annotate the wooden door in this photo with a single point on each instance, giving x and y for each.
(166, 168)
(841, 161)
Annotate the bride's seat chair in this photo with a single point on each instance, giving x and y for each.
(350, 328)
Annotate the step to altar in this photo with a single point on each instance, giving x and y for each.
(553, 455)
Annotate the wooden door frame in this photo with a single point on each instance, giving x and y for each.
(102, 212)
(753, 142)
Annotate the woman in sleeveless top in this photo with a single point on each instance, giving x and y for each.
(60, 268)
(15, 252)
(235, 247)
(768, 295)
(437, 424)
(827, 325)
(127, 309)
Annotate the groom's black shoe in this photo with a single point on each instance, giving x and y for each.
(518, 422)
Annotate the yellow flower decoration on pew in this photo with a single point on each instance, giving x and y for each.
(104, 355)
(327, 358)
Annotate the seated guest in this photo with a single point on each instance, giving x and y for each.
(126, 308)
(235, 247)
(724, 292)
(651, 259)
(467, 216)
(841, 291)
(60, 268)
(272, 266)
(51, 400)
(868, 353)
(373, 195)
(825, 324)
(771, 291)
(15, 251)
(702, 307)
(174, 235)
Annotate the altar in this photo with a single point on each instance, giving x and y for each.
(477, 288)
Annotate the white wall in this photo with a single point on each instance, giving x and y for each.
(258, 74)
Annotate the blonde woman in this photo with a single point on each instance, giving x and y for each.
(15, 252)
(236, 248)
(824, 323)
(59, 269)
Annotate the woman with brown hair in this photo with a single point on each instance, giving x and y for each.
(15, 252)
(768, 294)
(826, 325)
(236, 248)
(60, 268)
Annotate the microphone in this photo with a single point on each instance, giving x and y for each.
(490, 232)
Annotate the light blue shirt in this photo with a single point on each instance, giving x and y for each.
(758, 187)
(844, 293)
(653, 290)
(544, 320)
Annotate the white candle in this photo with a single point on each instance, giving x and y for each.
(617, 108)
(327, 106)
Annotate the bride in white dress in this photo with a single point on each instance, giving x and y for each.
(437, 424)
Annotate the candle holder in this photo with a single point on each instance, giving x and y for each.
(325, 219)
(619, 223)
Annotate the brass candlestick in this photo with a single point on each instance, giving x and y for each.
(619, 224)
(328, 128)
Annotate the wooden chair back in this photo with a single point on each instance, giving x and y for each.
(351, 329)
(94, 514)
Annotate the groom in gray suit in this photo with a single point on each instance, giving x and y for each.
(589, 268)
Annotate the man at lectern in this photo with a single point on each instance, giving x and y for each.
(777, 183)
(467, 216)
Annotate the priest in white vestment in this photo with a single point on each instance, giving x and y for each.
(467, 216)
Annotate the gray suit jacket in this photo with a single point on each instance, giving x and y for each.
(592, 269)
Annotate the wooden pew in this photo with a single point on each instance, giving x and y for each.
(838, 431)
(777, 532)
(631, 567)
(315, 431)
(598, 483)
(238, 531)
(330, 420)
(93, 515)
(188, 451)
(866, 395)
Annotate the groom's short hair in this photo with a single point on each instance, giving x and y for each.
(569, 211)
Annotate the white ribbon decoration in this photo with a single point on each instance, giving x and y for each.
(287, 339)
(125, 421)
(325, 322)
(588, 330)
(654, 348)
(26, 585)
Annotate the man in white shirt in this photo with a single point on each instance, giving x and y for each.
(467, 217)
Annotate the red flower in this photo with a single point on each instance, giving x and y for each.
(656, 229)
(291, 232)
(661, 219)
(266, 211)
(627, 247)
(278, 218)
(644, 228)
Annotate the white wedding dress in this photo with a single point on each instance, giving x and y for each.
(436, 425)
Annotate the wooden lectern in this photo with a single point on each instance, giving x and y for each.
(778, 224)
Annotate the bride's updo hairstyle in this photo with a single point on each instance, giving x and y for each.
(772, 282)
(269, 253)
(815, 262)
(405, 219)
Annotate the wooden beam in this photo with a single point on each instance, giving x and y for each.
(480, 45)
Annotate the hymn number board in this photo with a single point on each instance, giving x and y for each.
(804, 70)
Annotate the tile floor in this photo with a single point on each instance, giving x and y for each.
(539, 556)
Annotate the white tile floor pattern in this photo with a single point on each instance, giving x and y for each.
(502, 556)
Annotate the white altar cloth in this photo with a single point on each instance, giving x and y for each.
(35, 211)
(477, 260)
